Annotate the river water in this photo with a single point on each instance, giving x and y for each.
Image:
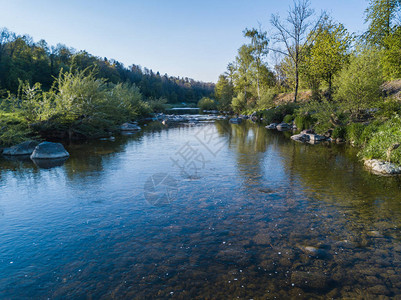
(207, 211)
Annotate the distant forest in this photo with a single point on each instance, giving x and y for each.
(23, 59)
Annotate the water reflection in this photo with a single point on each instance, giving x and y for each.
(269, 218)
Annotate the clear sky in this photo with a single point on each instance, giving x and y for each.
(195, 39)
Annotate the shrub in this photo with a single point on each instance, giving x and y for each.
(288, 119)
(339, 132)
(266, 99)
(239, 103)
(304, 121)
(384, 137)
(207, 104)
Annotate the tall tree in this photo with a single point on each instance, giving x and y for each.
(223, 92)
(381, 16)
(259, 43)
(328, 53)
(243, 74)
(293, 34)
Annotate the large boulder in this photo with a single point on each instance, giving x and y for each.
(25, 148)
(382, 167)
(48, 150)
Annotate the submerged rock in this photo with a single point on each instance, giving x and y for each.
(130, 127)
(235, 120)
(310, 280)
(25, 148)
(48, 150)
(382, 167)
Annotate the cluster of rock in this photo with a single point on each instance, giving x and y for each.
(167, 119)
(45, 154)
(307, 136)
(281, 126)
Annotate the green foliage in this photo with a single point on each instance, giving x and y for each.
(339, 132)
(304, 121)
(388, 107)
(14, 129)
(359, 134)
(326, 56)
(322, 114)
(359, 84)
(277, 114)
(380, 15)
(239, 103)
(385, 136)
(207, 104)
(391, 58)
(158, 105)
(267, 99)
(288, 119)
(224, 92)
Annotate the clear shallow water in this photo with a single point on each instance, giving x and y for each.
(251, 215)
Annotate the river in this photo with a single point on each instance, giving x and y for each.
(201, 211)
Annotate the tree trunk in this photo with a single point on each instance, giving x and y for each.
(296, 82)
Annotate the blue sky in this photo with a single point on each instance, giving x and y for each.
(195, 39)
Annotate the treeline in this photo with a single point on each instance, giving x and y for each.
(315, 53)
(22, 59)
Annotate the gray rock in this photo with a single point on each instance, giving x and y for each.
(303, 138)
(272, 126)
(130, 127)
(283, 127)
(48, 150)
(316, 137)
(382, 167)
(25, 148)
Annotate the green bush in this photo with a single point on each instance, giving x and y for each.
(288, 119)
(384, 137)
(354, 133)
(304, 122)
(339, 132)
(207, 104)
(276, 115)
(266, 99)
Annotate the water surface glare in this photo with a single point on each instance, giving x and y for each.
(213, 210)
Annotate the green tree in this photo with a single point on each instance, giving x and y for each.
(223, 92)
(391, 58)
(207, 104)
(381, 18)
(327, 55)
(359, 83)
(259, 43)
(243, 74)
